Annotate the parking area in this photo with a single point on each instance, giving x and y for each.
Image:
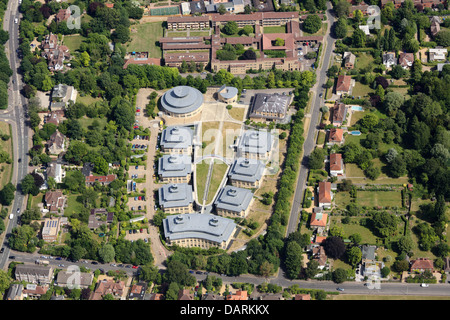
(302, 51)
(136, 234)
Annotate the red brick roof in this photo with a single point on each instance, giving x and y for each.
(336, 135)
(421, 263)
(319, 219)
(101, 179)
(335, 161)
(324, 194)
(343, 83)
(302, 296)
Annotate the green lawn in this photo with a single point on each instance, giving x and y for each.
(72, 205)
(177, 34)
(73, 42)
(321, 138)
(87, 100)
(217, 174)
(275, 29)
(146, 38)
(379, 198)
(199, 33)
(363, 59)
(201, 172)
(361, 90)
(87, 122)
(6, 145)
(367, 236)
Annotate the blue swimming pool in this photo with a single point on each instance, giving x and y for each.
(355, 133)
(357, 108)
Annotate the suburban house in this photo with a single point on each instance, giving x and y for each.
(389, 59)
(15, 292)
(246, 173)
(435, 26)
(56, 143)
(176, 198)
(339, 114)
(55, 171)
(438, 54)
(33, 291)
(78, 280)
(406, 60)
(54, 53)
(349, 60)
(269, 106)
(103, 180)
(55, 201)
(54, 117)
(137, 291)
(34, 273)
(324, 194)
(318, 221)
(104, 287)
(302, 296)
(61, 95)
(62, 15)
(318, 254)
(239, 295)
(87, 169)
(421, 265)
(185, 294)
(336, 165)
(335, 136)
(233, 202)
(344, 85)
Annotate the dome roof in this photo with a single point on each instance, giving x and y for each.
(182, 99)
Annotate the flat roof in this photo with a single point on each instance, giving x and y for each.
(195, 225)
(233, 199)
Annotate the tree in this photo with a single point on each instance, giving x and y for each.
(442, 38)
(339, 275)
(400, 266)
(312, 269)
(28, 185)
(342, 8)
(7, 194)
(316, 159)
(230, 28)
(221, 9)
(334, 247)
(397, 167)
(5, 281)
(392, 102)
(312, 23)
(354, 255)
(340, 28)
(385, 224)
(293, 260)
(405, 244)
(359, 38)
(249, 55)
(369, 121)
(85, 58)
(106, 253)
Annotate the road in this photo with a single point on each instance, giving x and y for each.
(15, 115)
(310, 141)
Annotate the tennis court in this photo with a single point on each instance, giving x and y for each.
(165, 11)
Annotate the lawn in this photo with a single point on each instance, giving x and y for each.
(321, 138)
(199, 33)
(356, 116)
(175, 34)
(73, 42)
(218, 171)
(367, 236)
(379, 198)
(361, 90)
(275, 29)
(237, 113)
(145, 37)
(87, 122)
(73, 205)
(87, 100)
(6, 169)
(363, 59)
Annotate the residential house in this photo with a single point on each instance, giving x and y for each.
(406, 60)
(34, 273)
(318, 221)
(153, 296)
(302, 296)
(104, 287)
(33, 291)
(318, 254)
(62, 15)
(344, 84)
(421, 265)
(55, 117)
(336, 165)
(437, 54)
(55, 201)
(96, 221)
(349, 60)
(54, 53)
(61, 95)
(87, 169)
(103, 180)
(212, 296)
(185, 294)
(55, 171)
(75, 280)
(335, 136)
(389, 60)
(239, 295)
(56, 143)
(368, 253)
(137, 291)
(339, 114)
(324, 194)
(435, 26)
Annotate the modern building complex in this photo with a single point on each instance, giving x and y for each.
(255, 144)
(233, 202)
(269, 106)
(176, 198)
(199, 230)
(227, 94)
(182, 101)
(246, 173)
(175, 168)
(177, 139)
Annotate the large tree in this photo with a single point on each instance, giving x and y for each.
(312, 23)
(334, 247)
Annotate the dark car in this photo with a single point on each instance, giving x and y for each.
(12, 257)
(94, 262)
(199, 272)
(59, 258)
(2, 250)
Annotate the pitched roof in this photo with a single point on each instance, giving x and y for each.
(336, 135)
(335, 162)
(319, 219)
(406, 59)
(421, 263)
(101, 179)
(239, 295)
(339, 112)
(324, 192)
(343, 83)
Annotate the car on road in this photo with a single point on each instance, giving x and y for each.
(94, 262)
(12, 257)
(135, 267)
(424, 285)
(199, 272)
(2, 250)
(59, 258)
(340, 289)
(18, 210)
(320, 95)
(113, 265)
(16, 20)
(127, 266)
(190, 271)
(60, 265)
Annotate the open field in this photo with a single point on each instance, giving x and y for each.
(237, 113)
(87, 100)
(275, 29)
(367, 236)
(363, 59)
(145, 38)
(370, 198)
(73, 205)
(199, 33)
(5, 168)
(73, 42)
(218, 171)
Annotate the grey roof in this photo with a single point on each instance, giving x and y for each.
(248, 170)
(195, 225)
(84, 278)
(33, 269)
(233, 199)
(182, 99)
(368, 252)
(273, 103)
(176, 137)
(175, 195)
(15, 290)
(256, 142)
(440, 66)
(59, 91)
(174, 165)
(389, 58)
(228, 92)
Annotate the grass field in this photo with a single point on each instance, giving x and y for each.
(361, 90)
(275, 29)
(73, 205)
(145, 38)
(6, 169)
(87, 100)
(199, 33)
(237, 113)
(218, 171)
(321, 138)
(87, 122)
(370, 198)
(363, 59)
(73, 42)
(367, 236)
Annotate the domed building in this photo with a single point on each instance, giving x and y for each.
(182, 101)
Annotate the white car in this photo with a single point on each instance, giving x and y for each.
(424, 285)
(15, 20)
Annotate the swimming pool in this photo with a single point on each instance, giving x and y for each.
(355, 133)
(357, 108)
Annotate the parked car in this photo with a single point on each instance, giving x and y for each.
(2, 250)
(135, 267)
(424, 285)
(340, 289)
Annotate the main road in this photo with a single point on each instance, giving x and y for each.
(314, 113)
(15, 116)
